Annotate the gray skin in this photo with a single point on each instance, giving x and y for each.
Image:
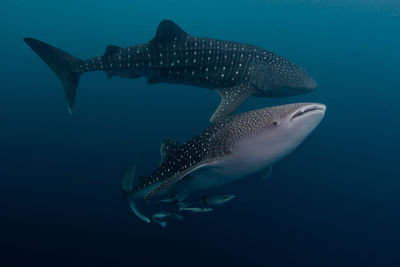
(228, 150)
(236, 71)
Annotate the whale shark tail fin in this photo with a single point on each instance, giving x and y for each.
(63, 65)
(127, 187)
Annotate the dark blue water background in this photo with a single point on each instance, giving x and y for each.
(332, 202)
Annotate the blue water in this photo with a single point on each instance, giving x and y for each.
(333, 202)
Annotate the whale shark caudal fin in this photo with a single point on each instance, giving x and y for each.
(127, 187)
(231, 98)
(63, 65)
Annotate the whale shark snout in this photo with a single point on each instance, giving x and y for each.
(308, 109)
(290, 79)
(296, 126)
(305, 119)
(310, 84)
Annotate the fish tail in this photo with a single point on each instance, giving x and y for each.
(127, 188)
(178, 217)
(63, 65)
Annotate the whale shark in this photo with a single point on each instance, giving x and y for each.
(228, 150)
(234, 70)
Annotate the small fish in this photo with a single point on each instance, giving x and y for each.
(163, 215)
(174, 199)
(208, 201)
(197, 209)
(218, 200)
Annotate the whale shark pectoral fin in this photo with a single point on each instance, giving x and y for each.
(168, 183)
(231, 98)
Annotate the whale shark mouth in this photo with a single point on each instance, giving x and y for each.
(308, 110)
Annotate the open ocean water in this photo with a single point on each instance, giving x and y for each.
(334, 201)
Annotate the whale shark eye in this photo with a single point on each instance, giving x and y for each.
(275, 123)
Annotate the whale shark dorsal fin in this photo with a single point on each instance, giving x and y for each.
(231, 98)
(167, 32)
(168, 147)
(111, 50)
(168, 183)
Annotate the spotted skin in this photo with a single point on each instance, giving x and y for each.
(173, 56)
(210, 145)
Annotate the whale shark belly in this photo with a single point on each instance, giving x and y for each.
(250, 155)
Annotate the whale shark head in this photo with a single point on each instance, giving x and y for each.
(276, 132)
(293, 123)
(286, 78)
